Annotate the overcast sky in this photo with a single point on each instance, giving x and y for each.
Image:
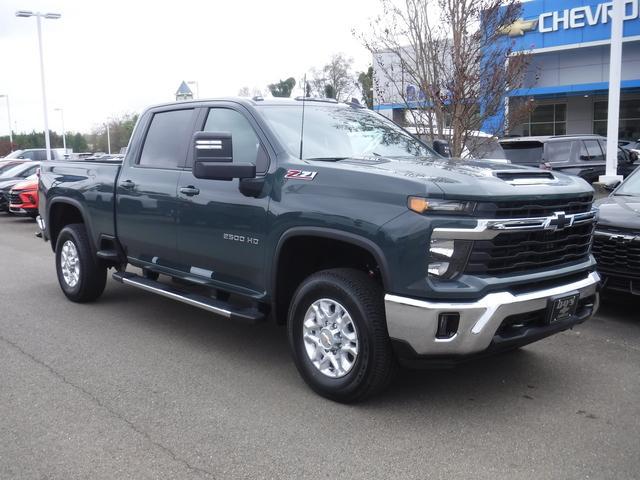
(107, 57)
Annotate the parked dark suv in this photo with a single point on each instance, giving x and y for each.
(581, 155)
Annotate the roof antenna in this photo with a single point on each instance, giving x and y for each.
(304, 96)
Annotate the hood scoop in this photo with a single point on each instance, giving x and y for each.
(366, 161)
(527, 178)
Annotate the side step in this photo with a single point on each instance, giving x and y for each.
(248, 315)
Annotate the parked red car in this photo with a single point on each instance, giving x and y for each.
(23, 198)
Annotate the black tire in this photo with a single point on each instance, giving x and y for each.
(92, 277)
(150, 274)
(363, 299)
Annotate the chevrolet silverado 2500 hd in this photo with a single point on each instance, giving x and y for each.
(372, 249)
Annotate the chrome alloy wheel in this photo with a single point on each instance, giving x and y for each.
(70, 263)
(330, 338)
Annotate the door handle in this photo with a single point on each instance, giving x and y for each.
(127, 184)
(189, 191)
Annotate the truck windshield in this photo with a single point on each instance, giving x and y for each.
(14, 171)
(15, 154)
(631, 187)
(337, 132)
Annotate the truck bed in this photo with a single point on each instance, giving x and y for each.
(89, 184)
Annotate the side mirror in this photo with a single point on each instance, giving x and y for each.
(442, 147)
(21, 157)
(213, 157)
(610, 187)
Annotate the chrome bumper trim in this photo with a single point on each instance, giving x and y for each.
(416, 321)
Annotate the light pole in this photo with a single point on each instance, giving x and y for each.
(39, 16)
(6, 97)
(108, 140)
(64, 136)
(615, 71)
(195, 82)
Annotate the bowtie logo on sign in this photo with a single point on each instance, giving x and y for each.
(568, 19)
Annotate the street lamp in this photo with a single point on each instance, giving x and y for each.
(108, 140)
(51, 16)
(64, 136)
(6, 97)
(195, 82)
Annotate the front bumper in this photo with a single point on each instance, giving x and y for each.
(415, 322)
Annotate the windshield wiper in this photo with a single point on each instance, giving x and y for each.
(625, 195)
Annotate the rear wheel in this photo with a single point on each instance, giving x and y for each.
(338, 335)
(81, 275)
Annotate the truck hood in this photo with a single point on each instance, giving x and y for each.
(619, 212)
(471, 179)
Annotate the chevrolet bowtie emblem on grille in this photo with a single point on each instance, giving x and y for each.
(519, 27)
(622, 238)
(559, 221)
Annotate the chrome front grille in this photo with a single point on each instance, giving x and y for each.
(520, 245)
(617, 253)
(519, 251)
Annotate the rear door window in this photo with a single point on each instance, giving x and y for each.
(529, 153)
(558, 152)
(167, 140)
(591, 151)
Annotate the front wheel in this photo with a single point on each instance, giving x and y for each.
(338, 335)
(81, 275)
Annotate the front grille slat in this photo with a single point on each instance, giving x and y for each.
(542, 208)
(524, 251)
(14, 198)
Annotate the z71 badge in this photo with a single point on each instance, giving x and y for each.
(300, 175)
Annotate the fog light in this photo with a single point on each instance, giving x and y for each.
(448, 324)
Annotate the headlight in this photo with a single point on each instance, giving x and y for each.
(427, 205)
(447, 258)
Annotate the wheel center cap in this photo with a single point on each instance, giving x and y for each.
(327, 339)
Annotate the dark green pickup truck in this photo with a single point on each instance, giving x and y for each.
(371, 248)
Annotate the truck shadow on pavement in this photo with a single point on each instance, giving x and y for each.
(263, 349)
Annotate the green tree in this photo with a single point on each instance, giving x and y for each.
(329, 91)
(335, 79)
(365, 80)
(78, 142)
(283, 88)
(120, 129)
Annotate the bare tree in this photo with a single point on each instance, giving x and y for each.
(335, 79)
(449, 62)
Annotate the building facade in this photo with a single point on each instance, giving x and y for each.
(569, 71)
(568, 77)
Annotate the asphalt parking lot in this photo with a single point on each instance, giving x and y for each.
(137, 386)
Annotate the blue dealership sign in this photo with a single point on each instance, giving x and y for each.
(557, 23)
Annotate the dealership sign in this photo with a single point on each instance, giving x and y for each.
(558, 23)
(588, 15)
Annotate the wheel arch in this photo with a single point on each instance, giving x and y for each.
(65, 211)
(280, 298)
